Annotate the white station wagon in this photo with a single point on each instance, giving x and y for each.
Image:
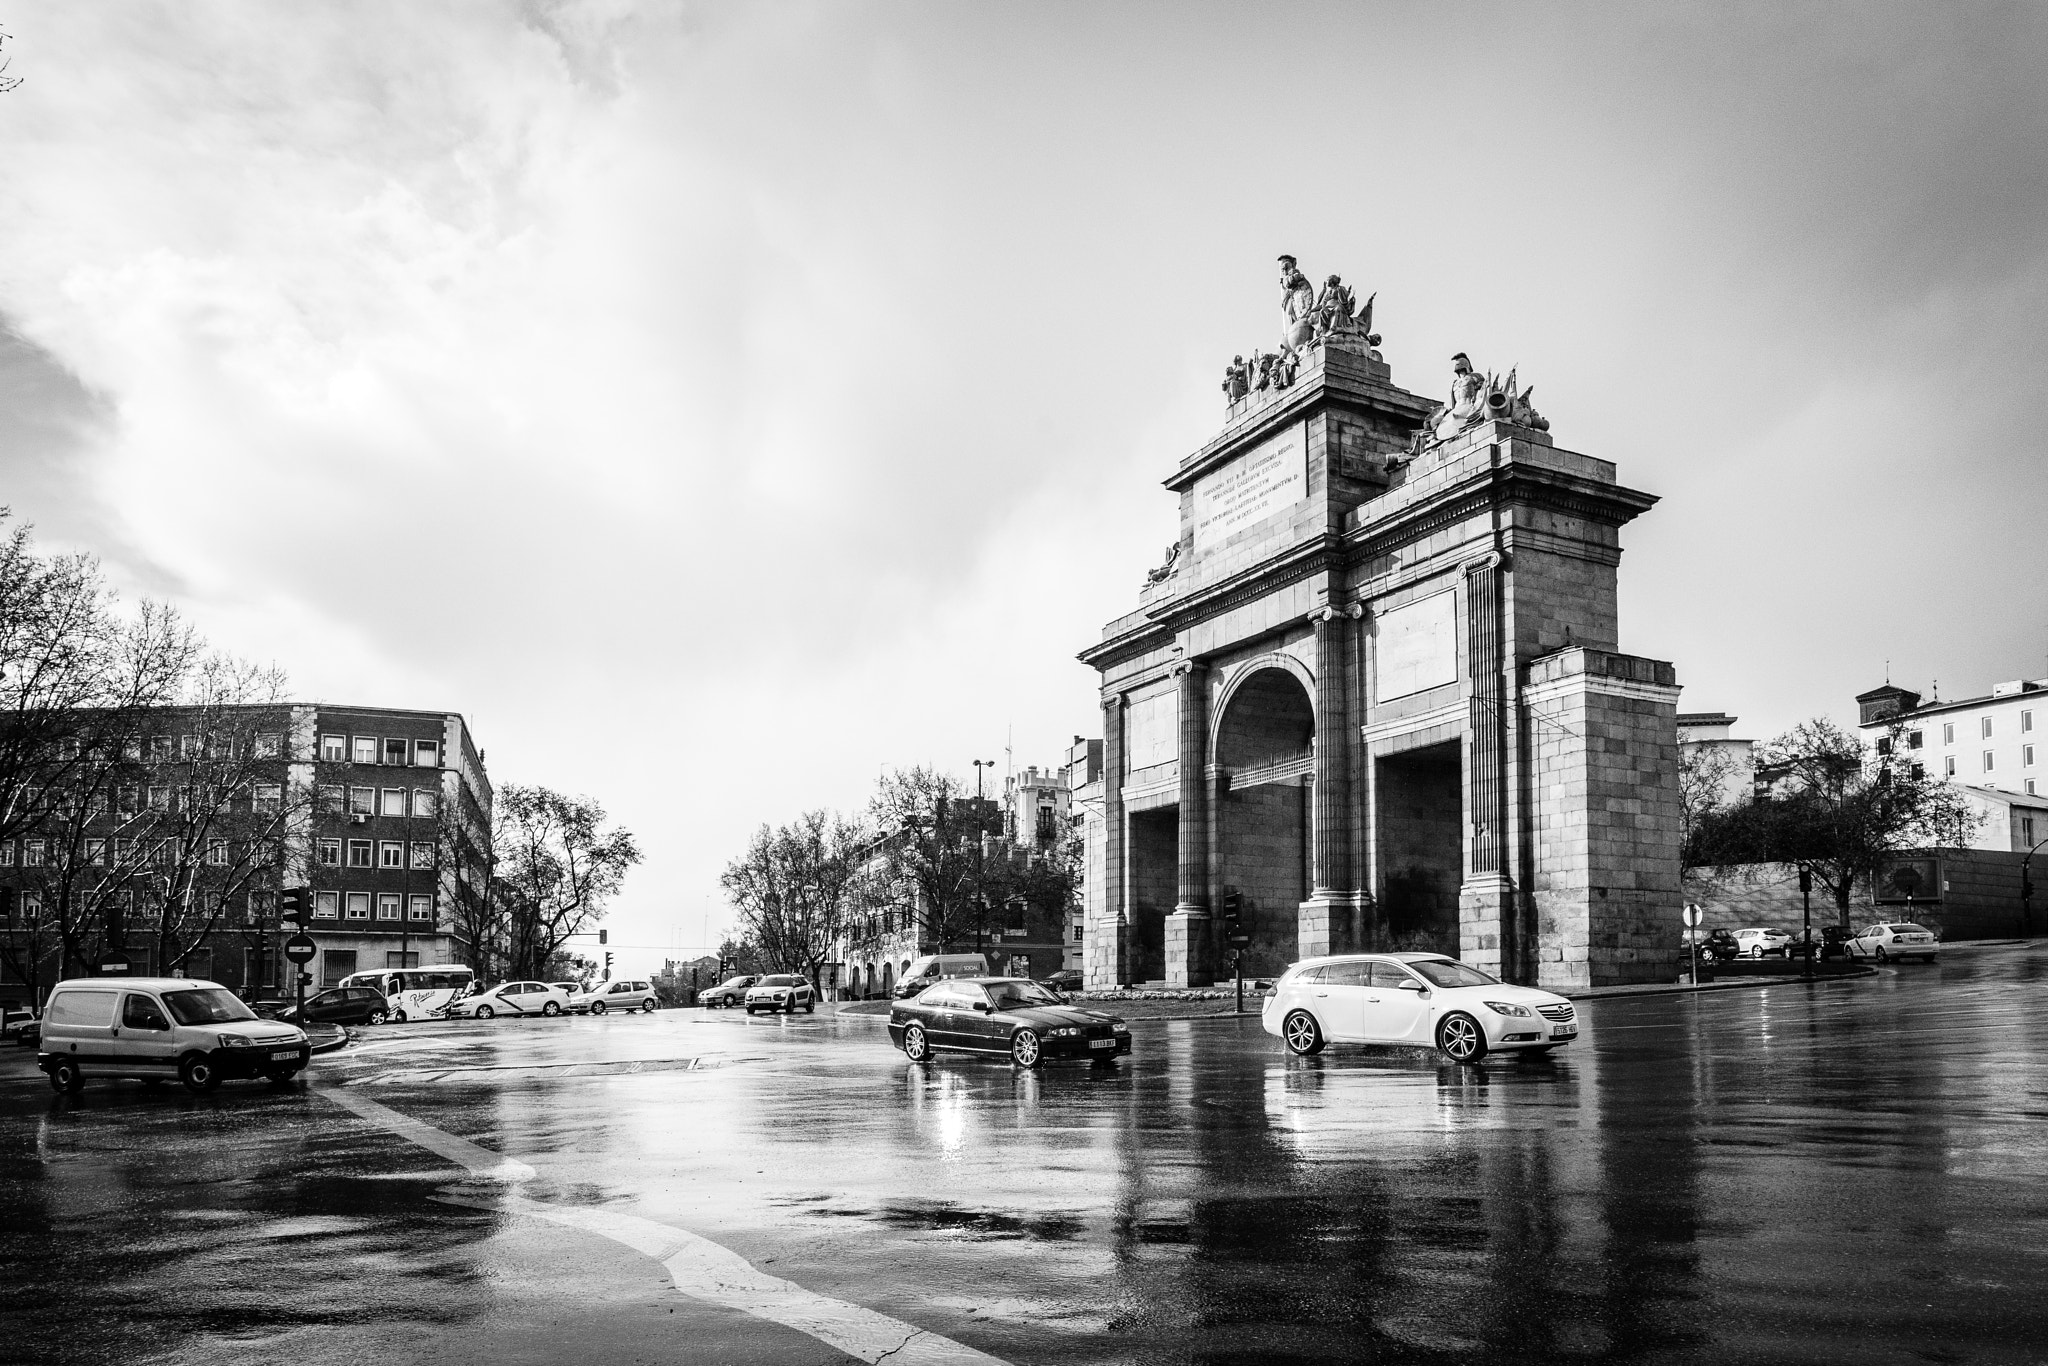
(1413, 998)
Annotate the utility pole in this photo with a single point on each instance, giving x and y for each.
(2027, 889)
(1806, 915)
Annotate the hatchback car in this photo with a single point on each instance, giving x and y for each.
(510, 998)
(341, 1005)
(785, 992)
(156, 1028)
(729, 993)
(1413, 998)
(606, 997)
(1003, 1015)
(1894, 939)
(1760, 941)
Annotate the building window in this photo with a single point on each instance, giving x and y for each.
(269, 745)
(365, 749)
(1984, 728)
(2027, 831)
(2026, 721)
(2030, 787)
(423, 908)
(336, 966)
(359, 854)
(394, 959)
(6, 853)
(269, 799)
(217, 853)
(426, 753)
(159, 749)
(1077, 934)
(32, 853)
(188, 747)
(1919, 770)
(1948, 765)
(330, 853)
(95, 853)
(358, 905)
(1987, 761)
(1948, 732)
(159, 799)
(387, 905)
(1913, 738)
(124, 851)
(391, 855)
(2026, 756)
(422, 854)
(394, 752)
(334, 749)
(394, 801)
(1884, 745)
(131, 749)
(326, 905)
(333, 799)
(425, 803)
(128, 800)
(362, 801)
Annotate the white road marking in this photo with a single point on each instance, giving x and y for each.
(699, 1267)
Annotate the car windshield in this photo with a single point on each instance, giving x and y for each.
(1445, 973)
(206, 1005)
(782, 981)
(1019, 995)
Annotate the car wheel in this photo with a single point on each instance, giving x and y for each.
(550, 1008)
(1461, 1039)
(65, 1077)
(750, 1010)
(199, 1074)
(597, 1007)
(647, 1007)
(399, 1017)
(1756, 951)
(376, 1017)
(485, 1013)
(810, 1007)
(915, 1046)
(1024, 1050)
(1881, 957)
(1304, 1036)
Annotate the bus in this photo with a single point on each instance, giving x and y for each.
(418, 993)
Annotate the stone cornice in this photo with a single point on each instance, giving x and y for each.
(1319, 388)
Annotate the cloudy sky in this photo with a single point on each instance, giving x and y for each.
(719, 403)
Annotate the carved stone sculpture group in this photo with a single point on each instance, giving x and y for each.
(1309, 318)
(1475, 399)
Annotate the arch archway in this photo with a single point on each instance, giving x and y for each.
(1264, 747)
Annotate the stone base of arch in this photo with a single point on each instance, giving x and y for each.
(1190, 958)
(1332, 922)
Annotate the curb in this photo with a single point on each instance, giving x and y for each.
(1731, 984)
(339, 1040)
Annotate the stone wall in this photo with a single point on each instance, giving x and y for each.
(1980, 898)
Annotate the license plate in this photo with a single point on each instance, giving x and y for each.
(1563, 1031)
(1102, 1043)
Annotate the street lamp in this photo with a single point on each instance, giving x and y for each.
(980, 858)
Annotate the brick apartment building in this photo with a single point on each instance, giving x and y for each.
(170, 832)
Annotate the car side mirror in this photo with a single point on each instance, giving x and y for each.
(1412, 985)
(984, 1007)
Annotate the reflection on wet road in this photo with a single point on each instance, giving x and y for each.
(1848, 1173)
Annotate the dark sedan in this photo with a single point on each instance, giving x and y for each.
(341, 1005)
(1003, 1015)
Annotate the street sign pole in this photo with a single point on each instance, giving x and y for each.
(1692, 923)
(1806, 915)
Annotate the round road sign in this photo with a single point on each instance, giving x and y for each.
(300, 948)
(1692, 913)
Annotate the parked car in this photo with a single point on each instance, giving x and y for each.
(156, 1028)
(570, 989)
(1760, 941)
(939, 967)
(784, 992)
(1893, 939)
(1802, 947)
(18, 1025)
(1413, 998)
(341, 1005)
(1721, 944)
(1063, 981)
(1003, 1015)
(1833, 942)
(729, 993)
(509, 998)
(606, 997)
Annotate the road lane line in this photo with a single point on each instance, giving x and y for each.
(699, 1267)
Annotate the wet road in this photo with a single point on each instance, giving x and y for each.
(1847, 1173)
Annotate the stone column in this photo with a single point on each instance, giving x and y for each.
(1328, 919)
(1109, 940)
(1188, 954)
(1485, 902)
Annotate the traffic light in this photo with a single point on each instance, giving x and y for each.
(604, 937)
(292, 905)
(1233, 920)
(607, 965)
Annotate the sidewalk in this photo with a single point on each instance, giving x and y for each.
(1725, 984)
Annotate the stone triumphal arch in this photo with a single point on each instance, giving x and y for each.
(1375, 690)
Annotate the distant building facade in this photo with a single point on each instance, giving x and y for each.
(168, 850)
(1991, 747)
(1710, 736)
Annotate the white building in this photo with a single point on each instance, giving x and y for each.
(1712, 733)
(1991, 747)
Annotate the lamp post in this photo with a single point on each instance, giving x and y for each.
(2027, 888)
(980, 859)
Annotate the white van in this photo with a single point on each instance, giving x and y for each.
(156, 1028)
(937, 967)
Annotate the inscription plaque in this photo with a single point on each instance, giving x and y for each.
(1265, 481)
(1416, 647)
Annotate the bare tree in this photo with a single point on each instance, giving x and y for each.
(930, 865)
(557, 866)
(794, 889)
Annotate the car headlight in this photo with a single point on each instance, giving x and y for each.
(1061, 1032)
(232, 1041)
(1120, 1027)
(1503, 1008)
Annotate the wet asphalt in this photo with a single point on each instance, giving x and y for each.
(1854, 1172)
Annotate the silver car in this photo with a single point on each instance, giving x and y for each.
(1893, 939)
